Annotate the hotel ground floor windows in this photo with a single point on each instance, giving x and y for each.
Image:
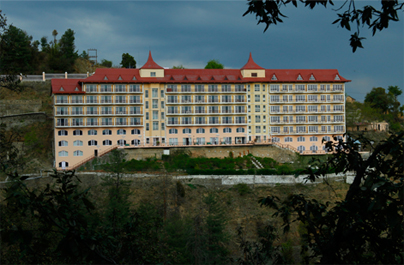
(173, 141)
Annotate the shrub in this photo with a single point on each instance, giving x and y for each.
(242, 188)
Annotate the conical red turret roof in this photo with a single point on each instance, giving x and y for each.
(150, 64)
(251, 64)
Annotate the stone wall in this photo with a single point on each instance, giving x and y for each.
(21, 120)
(12, 107)
(277, 153)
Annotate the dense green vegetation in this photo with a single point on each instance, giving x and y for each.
(66, 222)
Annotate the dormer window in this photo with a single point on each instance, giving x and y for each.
(254, 75)
(153, 74)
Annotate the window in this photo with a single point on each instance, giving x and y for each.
(77, 132)
(257, 129)
(274, 88)
(301, 148)
(301, 139)
(92, 142)
(186, 130)
(92, 132)
(62, 111)
(300, 98)
(162, 104)
(134, 88)
(275, 109)
(155, 115)
(275, 129)
(254, 75)
(135, 142)
(326, 138)
(106, 121)
(214, 130)
(257, 108)
(91, 88)
(155, 103)
(146, 93)
(300, 87)
(276, 139)
(135, 131)
(200, 130)
(163, 126)
(311, 87)
(240, 130)
(63, 133)
(121, 132)
(313, 139)
(78, 153)
(173, 141)
(173, 131)
(227, 130)
(257, 118)
(274, 98)
(257, 98)
(300, 129)
(78, 143)
(155, 92)
(120, 88)
(256, 87)
(107, 132)
(107, 142)
(200, 140)
(147, 115)
(121, 142)
(155, 125)
(153, 74)
(288, 139)
(162, 93)
(62, 143)
(63, 153)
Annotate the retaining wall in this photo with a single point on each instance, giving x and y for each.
(279, 154)
(20, 120)
(11, 107)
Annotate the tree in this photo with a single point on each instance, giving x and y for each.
(269, 12)
(68, 50)
(367, 225)
(9, 78)
(106, 63)
(128, 61)
(214, 64)
(378, 99)
(179, 67)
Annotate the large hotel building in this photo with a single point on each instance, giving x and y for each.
(157, 107)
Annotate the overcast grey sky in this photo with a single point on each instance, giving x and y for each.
(193, 32)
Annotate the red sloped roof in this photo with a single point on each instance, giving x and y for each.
(251, 64)
(66, 86)
(150, 64)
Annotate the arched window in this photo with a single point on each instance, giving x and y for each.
(121, 142)
(339, 137)
(301, 139)
(63, 133)
(63, 153)
(276, 140)
(63, 143)
(240, 130)
(92, 132)
(313, 139)
(135, 142)
(61, 163)
(78, 143)
(227, 130)
(78, 153)
(77, 132)
(186, 131)
(214, 130)
(313, 148)
(135, 131)
(92, 142)
(326, 138)
(173, 131)
(200, 130)
(121, 132)
(107, 142)
(106, 132)
(288, 139)
(301, 148)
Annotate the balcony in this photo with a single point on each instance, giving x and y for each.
(135, 101)
(62, 101)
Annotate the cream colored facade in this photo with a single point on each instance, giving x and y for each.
(159, 108)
